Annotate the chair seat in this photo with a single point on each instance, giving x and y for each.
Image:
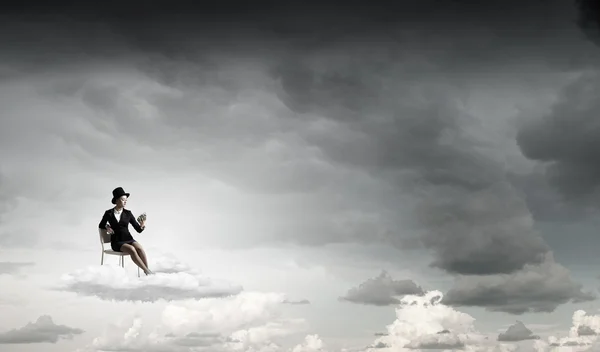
(110, 251)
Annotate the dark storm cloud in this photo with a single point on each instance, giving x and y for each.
(43, 330)
(383, 86)
(566, 139)
(397, 126)
(403, 130)
(484, 232)
(543, 199)
(536, 288)
(397, 121)
(589, 18)
(476, 223)
(382, 290)
(494, 32)
(323, 13)
(517, 332)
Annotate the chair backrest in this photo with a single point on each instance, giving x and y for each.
(104, 237)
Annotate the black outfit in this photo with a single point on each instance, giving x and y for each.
(121, 233)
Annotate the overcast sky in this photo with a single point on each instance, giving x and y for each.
(317, 176)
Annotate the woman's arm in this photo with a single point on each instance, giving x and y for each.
(104, 220)
(135, 224)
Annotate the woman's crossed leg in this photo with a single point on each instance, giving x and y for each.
(141, 253)
(133, 253)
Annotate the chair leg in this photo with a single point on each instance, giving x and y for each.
(102, 259)
(138, 271)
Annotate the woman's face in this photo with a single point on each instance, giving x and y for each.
(122, 201)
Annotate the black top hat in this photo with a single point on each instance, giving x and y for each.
(118, 192)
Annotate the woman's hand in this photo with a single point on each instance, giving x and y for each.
(141, 219)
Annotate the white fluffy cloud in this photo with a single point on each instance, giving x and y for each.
(222, 314)
(312, 343)
(173, 281)
(250, 321)
(424, 323)
(216, 316)
(581, 337)
(255, 322)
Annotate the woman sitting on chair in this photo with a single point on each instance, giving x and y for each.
(116, 221)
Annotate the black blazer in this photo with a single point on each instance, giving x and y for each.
(120, 228)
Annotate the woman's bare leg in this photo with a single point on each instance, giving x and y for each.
(127, 248)
(141, 253)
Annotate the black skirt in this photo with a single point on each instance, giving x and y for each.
(116, 245)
